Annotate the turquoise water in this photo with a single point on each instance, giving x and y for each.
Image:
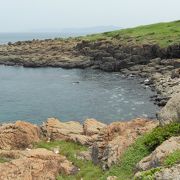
(36, 94)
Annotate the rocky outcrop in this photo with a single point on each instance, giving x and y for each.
(18, 135)
(92, 127)
(34, 164)
(115, 139)
(172, 173)
(84, 134)
(171, 112)
(157, 157)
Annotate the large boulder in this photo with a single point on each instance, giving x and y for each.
(86, 134)
(92, 127)
(115, 139)
(171, 112)
(37, 164)
(157, 157)
(19, 135)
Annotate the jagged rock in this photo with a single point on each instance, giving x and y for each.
(173, 51)
(115, 138)
(172, 173)
(35, 164)
(92, 126)
(171, 112)
(175, 73)
(157, 157)
(53, 129)
(19, 135)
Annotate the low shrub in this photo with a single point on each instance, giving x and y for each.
(160, 134)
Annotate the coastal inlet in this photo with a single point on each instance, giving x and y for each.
(34, 94)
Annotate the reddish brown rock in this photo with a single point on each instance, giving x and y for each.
(36, 164)
(115, 139)
(19, 135)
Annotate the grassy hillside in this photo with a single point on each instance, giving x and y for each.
(163, 34)
(124, 170)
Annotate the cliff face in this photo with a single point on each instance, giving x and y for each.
(114, 56)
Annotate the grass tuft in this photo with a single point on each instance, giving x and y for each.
(173, 158)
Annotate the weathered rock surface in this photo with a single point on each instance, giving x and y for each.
(92, 127)
(157, 157)
(72, 131)
(18, 135)
(171, 112)
(115, 138)
(172, 173)
(37, 164)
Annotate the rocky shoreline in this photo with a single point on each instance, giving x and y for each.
(105, 144)
(160, 66)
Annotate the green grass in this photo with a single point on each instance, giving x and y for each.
(163, 34)
(125, 168)
(148, 175)
(87, 169)
(160, 134)
(173, 158)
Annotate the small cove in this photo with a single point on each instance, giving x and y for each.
(34, 94)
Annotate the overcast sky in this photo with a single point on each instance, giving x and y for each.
(29, 15)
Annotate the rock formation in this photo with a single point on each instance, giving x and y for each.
(172, 173)
(171, 112)
(37, 164)
(157, 157)
(72, 131)
(19, 135)
(115, 139)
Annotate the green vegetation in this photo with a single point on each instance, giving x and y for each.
(3, 160)
(163, 34)
(149, 174)
(173, 158)
(87, 170)
(125, 169)
(160, 134)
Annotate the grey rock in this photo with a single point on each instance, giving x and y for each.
(171, 112)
